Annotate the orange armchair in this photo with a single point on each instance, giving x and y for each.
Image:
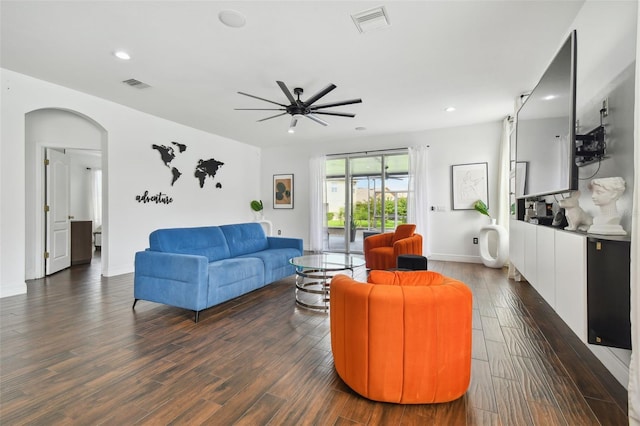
(382, 250)
(404, 337)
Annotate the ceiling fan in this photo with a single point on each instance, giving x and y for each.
(298, 109)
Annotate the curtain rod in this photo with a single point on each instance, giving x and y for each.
(368, 152)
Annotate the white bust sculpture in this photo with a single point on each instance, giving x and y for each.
(604, 193)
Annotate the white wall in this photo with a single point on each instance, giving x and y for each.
(607, 36)
(451, 232)
(606, 55)
(131, 168)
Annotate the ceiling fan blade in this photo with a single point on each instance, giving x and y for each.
(332, 104)
(320, 94)
(339, 114)
(273, 116)
(260, 109)
(262, 99)
(316, 119)
(286, 91)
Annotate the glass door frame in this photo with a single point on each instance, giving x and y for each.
(349, 180)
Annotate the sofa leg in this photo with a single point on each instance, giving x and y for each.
(134, 303)
(197, 316)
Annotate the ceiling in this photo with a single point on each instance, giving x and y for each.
(477, 56)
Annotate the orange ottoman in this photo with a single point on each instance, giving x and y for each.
(404, 337)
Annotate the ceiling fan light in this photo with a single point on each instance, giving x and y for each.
(121, 54)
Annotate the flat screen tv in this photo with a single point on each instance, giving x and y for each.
(545, 130)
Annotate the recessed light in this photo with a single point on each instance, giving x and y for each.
(232, 18)
(450, 109)
(548, 98)
(121, 54)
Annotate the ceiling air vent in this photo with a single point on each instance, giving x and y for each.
(136, 83)
(371, 19)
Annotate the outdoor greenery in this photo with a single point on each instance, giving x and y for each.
(361, 214)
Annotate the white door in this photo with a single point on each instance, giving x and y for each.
(58, 229)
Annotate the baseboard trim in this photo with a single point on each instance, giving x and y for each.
(455, 258)
(612, 363)
(110, 272)
(13, 290)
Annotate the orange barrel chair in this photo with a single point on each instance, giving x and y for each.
(404, 337)
(382, 250)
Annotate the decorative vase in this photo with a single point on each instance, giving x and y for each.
(502, 245)
(258, 215)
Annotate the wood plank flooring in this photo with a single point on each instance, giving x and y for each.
(72, 351)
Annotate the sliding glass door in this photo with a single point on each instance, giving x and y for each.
(366, 194)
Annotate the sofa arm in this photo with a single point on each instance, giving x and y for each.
(284, 242)
(378, 240)
(174, 279)
(409, 245)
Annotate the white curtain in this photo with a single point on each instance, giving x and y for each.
(417, 202)
(95, 198)
(502, 212)
(317, 214)
(634, 365)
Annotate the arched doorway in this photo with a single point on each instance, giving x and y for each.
(62, 130)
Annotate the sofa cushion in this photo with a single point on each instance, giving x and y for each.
(245, 238)
(276, 262)
(207, 241)
(229, 278)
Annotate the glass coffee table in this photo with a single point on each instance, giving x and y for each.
(313, 277)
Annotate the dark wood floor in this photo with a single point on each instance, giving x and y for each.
(74, 352)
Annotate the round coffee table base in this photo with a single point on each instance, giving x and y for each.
(312, 289)
(313, 277)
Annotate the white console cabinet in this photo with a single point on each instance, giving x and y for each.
(546, 270)
(554, 261)
(516, 244)
(571, 281)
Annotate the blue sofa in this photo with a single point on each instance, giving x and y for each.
(197, 268)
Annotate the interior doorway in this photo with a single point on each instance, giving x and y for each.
(73, 207)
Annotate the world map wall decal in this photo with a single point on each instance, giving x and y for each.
(203, 169)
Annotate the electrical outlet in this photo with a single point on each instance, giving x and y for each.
(279, 231)
(475, 240)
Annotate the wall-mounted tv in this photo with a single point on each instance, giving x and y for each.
(545, 130)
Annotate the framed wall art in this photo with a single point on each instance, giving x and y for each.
(469, 183)
(283, 191)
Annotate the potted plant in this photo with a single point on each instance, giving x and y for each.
(257, 207)
(481, 207)
(354, 224)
